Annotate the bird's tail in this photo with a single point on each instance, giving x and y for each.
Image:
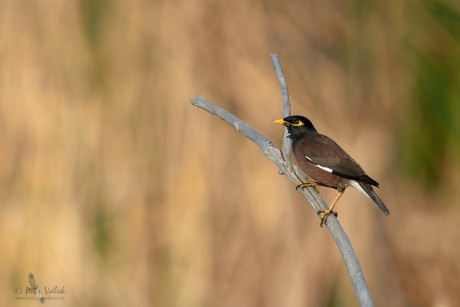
(372, 195)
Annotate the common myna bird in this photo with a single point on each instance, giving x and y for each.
(324, 161)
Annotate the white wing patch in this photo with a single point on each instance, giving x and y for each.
(327, 169)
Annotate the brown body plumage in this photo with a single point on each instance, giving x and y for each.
(324, 161)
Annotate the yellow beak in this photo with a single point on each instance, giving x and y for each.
(280, 121)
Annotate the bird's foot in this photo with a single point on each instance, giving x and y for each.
(307, 184)
(324, 214)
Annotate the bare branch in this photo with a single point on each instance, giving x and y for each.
(287, 142)
(282, 161)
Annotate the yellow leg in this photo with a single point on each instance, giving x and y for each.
(307, 184)
(326, 213)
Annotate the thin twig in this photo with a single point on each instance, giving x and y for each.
(287, 141)
(294, 174)
(286, 147)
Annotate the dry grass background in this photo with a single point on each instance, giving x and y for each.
(115, 187)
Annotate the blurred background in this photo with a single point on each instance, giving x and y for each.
(114, 188)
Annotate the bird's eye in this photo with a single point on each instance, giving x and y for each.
(296, 121)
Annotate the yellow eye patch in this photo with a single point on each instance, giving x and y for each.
(298, 124)
(286, 123)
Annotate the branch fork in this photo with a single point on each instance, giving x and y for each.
(282, 160)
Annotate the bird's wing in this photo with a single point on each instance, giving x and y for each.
(322, 152)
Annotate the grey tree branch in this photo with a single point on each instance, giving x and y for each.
(282, 161)
(287, 142)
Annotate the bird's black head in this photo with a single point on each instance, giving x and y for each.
(297, 125)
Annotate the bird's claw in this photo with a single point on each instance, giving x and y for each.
(306, 184)
(325, 214)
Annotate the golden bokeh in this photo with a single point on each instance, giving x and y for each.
(116, 189)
